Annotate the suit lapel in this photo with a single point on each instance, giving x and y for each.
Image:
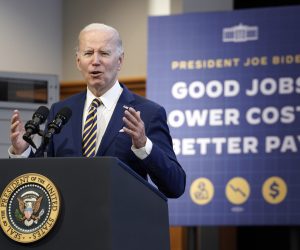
(77, 122)
(116, 121)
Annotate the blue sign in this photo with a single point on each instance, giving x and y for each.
(230, 83)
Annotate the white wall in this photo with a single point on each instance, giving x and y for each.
(39, 36)
(31, 36)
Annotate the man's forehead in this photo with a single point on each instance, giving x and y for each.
(91, 37)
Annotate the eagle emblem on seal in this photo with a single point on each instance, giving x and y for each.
(29, 211)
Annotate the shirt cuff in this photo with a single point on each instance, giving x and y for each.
(25, 154)
(143, 152)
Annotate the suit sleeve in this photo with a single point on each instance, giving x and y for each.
(161, 164)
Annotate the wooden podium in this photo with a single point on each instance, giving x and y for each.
(104, 205)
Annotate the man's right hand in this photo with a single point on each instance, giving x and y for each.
(16, 134)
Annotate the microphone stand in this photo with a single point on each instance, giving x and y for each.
(42, 151)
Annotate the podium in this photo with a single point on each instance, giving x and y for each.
(104, 205)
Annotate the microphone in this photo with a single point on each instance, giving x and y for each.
(54, 127)
(33, 126)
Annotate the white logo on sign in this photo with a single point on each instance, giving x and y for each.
(240, 33)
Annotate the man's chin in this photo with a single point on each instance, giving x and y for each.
(98, 87)
(94, 82)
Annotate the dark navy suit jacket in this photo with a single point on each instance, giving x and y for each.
(161, 165)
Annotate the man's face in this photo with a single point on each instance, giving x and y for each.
(98, 60)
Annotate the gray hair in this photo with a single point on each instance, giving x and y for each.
(103, 27)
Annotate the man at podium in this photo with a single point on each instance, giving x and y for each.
(108, 119)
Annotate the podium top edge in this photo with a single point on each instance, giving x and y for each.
(118, 161)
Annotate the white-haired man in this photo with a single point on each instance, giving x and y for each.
(138, 134)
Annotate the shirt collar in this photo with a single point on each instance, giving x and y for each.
(109, 99)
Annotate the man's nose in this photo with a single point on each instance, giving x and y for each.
(96, 58)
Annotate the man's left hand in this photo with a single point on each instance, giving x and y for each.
(134, 126)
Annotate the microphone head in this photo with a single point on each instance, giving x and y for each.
(42, 113)
(64, 114)
(54, 127)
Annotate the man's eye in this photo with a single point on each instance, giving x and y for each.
(104, 53)
(88, 53)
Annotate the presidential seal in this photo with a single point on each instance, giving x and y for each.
(29, 208)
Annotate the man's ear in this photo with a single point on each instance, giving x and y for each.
(78, 62)
(120, 61)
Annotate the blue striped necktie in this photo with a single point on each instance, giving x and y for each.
(89, 134)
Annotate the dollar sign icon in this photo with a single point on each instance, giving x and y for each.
(274, 190)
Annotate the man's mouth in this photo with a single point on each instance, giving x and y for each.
(95, 73)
